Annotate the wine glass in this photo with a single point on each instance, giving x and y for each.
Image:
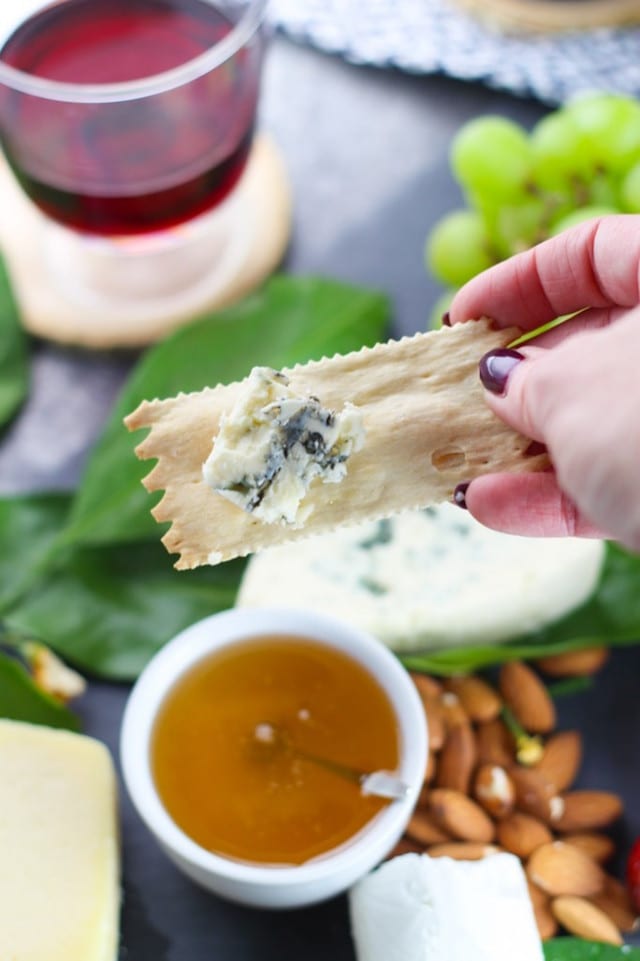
(128, 123)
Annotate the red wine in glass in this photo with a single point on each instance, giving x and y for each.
(106, 156)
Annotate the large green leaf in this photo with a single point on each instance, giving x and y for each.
(29, 526)
(108, 610)
(14, 369)
(610, 616)
(575, 949)
(21, 700)
(291, 320)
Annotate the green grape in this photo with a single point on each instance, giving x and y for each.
(442, 304)
(491, 158)
(489, 211)
(486, 205)
(519, 226)
(602, 191)
(458, 248)
(610, 125)
(579, 162)
(560, 158)
(630, 190)
(579, 216)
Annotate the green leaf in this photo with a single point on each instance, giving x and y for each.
(22, 700)
(14, 370)
(571, 685)
(108, 610)
(291, 320)
(575, 949)
(29, 526)
(610, 616)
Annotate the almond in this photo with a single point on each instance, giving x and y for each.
(535, 795)
(616, 903)
(559, 868)
(430, 770)
(453, 711)
(457, 759)
(462, 850)
(574, 663)
(600, 847)
(435, 721)
(423, 797)
(405, 846)
(561, 759)
(583, 919)
(525, 694)
(521, 834)
(461, 817)
(617, 889)
(429, 775)
(584, 810)
(493, 789)
(495, 743)
(624, 919)
(427, 686)
(541, 903)
(423, 829)
(478, 698)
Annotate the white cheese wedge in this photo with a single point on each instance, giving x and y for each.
(274, 444)
(417, 908)
(59, 885)
(428, 578)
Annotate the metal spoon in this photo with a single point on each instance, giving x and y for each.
(268, 740)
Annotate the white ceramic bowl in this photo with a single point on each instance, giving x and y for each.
(263, 885)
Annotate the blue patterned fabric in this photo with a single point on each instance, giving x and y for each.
(434, 36)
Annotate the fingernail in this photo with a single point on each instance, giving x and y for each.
(496, 366)
(460, 495)
(535, 448)
(446, 319)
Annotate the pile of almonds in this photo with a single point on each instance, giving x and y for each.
(499, 778)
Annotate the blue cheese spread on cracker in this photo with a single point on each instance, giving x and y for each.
(275, 443)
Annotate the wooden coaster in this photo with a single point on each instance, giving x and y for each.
(539, 16)
(72, 293)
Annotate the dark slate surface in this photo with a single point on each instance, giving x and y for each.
(366, 150)
(166, 918)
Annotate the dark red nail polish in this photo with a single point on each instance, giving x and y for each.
(446, 319)
(460, 495)
(495, 367)
(535, 448)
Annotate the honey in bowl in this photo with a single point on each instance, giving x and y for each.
(277, 805)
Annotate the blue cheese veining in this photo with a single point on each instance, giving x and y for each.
(429, 578)
(275, 443)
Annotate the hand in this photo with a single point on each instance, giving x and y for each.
(575, 388)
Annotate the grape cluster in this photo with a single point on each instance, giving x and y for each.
(578, 162)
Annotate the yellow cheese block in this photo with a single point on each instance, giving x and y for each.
(59, 847)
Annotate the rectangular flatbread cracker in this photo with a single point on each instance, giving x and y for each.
(427, 428)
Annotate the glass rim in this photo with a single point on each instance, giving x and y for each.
(66, 92)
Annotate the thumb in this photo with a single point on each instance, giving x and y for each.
(580, 399)
(561, 395)
(520, 388)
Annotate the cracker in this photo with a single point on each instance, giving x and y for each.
(427, 428)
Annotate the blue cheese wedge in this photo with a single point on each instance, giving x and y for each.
(275, 443)
(428, 578)
(417, 908)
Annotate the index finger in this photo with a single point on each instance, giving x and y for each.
(596, 264)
